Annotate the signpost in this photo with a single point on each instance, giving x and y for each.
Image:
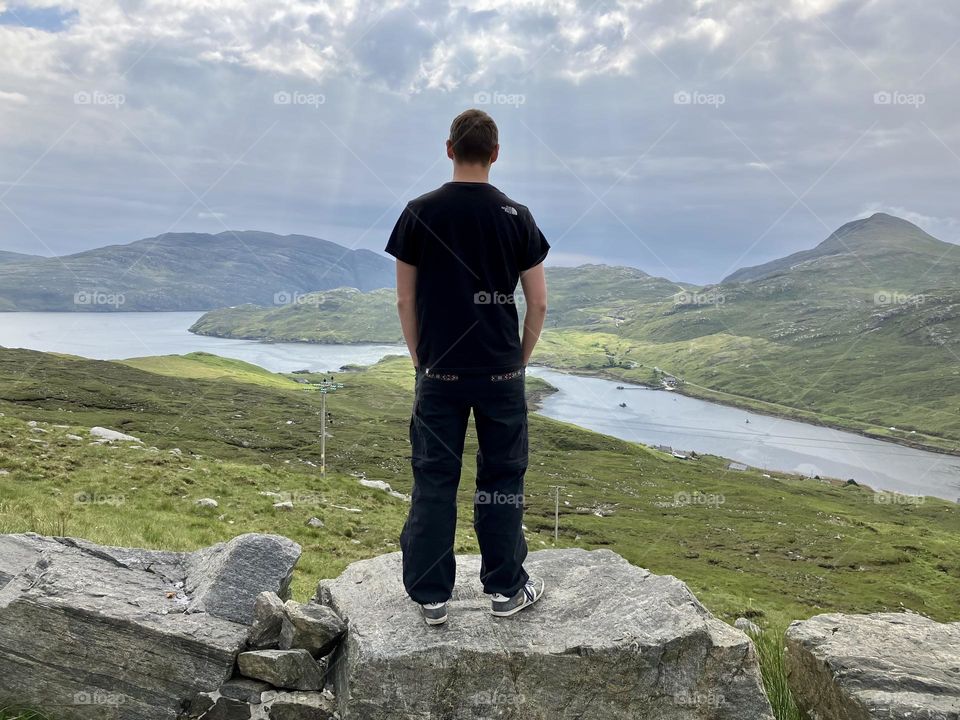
(326, 387)
(556, 511)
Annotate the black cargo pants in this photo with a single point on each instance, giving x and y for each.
(441, 409)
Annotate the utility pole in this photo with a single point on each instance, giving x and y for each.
(556, 511)
(326, 387)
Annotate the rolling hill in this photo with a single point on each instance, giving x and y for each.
(344, 315)
(860, 332)
(189, 271)
(863, 331)
(584, 295)
(9, 257)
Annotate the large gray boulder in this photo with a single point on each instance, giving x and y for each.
(608, 640)
(895, 666)
(224, 580)
(94, 632)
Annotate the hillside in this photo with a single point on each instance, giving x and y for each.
(344, 315)
(584, 295)
(772, 548)
(880, 247)
(10, 257)
(589, 294)
(189, 271)
(861, 332)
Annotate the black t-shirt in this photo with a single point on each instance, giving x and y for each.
(470, 242)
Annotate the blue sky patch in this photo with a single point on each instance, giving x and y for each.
(51, 19)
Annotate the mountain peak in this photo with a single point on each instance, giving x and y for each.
(880, 234)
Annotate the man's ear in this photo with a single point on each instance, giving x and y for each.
(496, 154)
(450, 150)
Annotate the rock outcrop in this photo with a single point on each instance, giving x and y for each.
(88, 631)
(609, 640)
(895, 666)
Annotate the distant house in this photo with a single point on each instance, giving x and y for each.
(739, 467)
(664, 448)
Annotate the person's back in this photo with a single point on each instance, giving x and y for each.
(461, 251)
(469, 242)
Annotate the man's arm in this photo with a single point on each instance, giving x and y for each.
(407, 307)
(534, 284)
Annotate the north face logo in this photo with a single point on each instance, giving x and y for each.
(509, 210)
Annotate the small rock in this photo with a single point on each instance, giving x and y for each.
(4, 472)
(302, 706)
(267, 493)
(200, 704)
(381, 485)
(73, 437)
(290, 669)
(268, 615)
(286, 506)
(228, 709)
(748, 626)
(32, 423)
(107, 435)
(315, 628)
(244, 689)
(207, 502)
(315, 522)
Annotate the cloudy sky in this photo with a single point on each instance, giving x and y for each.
(684, 137)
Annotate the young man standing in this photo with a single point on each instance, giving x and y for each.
(461, 251)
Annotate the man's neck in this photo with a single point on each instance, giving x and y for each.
(471, 173)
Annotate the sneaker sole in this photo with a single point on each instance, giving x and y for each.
(436, 621)
(514, 611)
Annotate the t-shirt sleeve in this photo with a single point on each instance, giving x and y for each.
(405, 241)
(536, 247)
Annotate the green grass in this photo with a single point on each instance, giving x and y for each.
(206, 366)
(344, 315)
(770, 652)
(773, 549)
(13, 713)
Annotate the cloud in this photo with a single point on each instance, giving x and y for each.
(129, 120)
(13, 97)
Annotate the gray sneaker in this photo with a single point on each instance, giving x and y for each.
(503, 606)
(434, 613)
